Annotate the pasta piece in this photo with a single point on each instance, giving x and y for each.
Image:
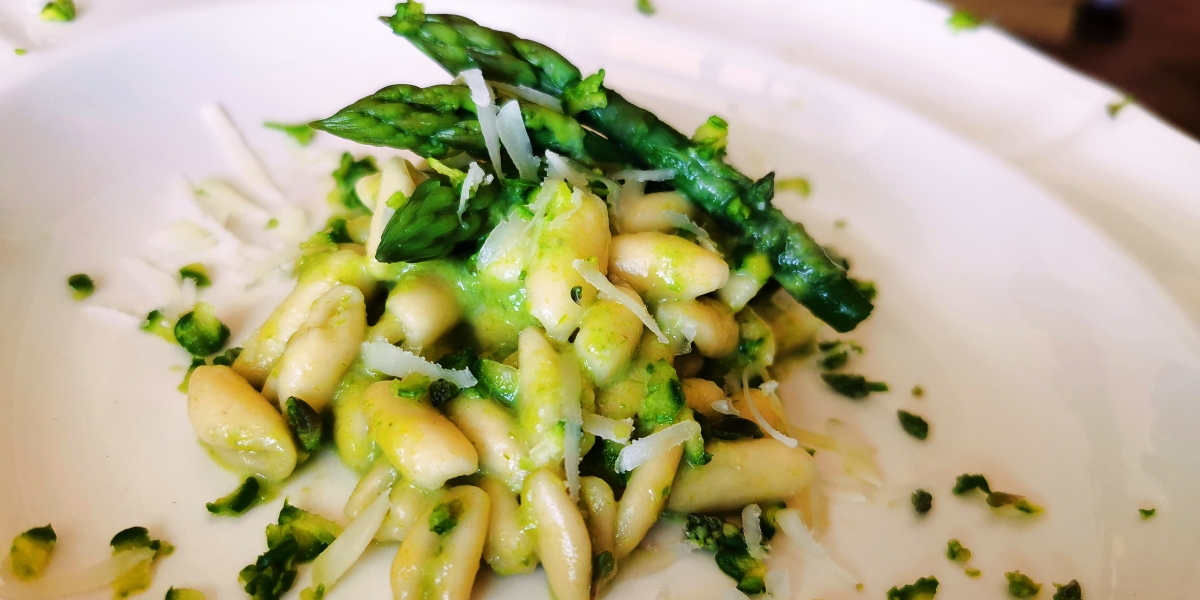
(601, 508)
(644, 498)
(407, 502)
(608, 336)
(539, 397)
(771, 410)
(563, 542)
(419, 310)
(700, 394)
(321, 352)
(740, 473)
(745, 281)
(441, 555)
(264, 347)
(241, 428)
(423, 445)
(705, 323)
(666, 267)
(511, 543)
(377, 481)
(649, 212)
(623, 399)
(575, 227)
(493, 431)
(351, 426)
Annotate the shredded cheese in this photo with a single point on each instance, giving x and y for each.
(758, 418)
(485, 110)
(572, 388)
(643, 176)
(592, 275)
(644, 449)
(609, 429)
(397, 362)
(530, 94)
(510, 126)
(752, 527)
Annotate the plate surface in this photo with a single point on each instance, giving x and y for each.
(1051, 362)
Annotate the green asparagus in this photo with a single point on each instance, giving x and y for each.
(441, 120)
(731, 198)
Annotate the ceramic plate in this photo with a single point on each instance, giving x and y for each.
(1051, 363)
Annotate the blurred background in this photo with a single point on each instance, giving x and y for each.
(1148, 48)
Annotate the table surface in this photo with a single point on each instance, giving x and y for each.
(1134, 176)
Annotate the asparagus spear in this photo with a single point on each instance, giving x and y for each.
(732, 199)
(441, 120)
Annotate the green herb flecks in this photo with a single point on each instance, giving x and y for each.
(239, 501)
(196, 272)
(855, 387)
(961, 20)
(1147, 513)
(645, 7)
(918, 391)
(138, 578)
(1021, 586)
(1003, 502)
(442, 391)
(913, 425)
(967, 482)
(924, 588)
(158, 324)
(798, 185)
(836, 353)
(1115, 107)
(444, 518)
(58, 10)
(31, 551)
(1068, 591)
(298, 537)
(956, 552)
(175, 593)
(301, 132)
(305, 421)
(602, 565)
(732, 554)
(81, 286)
(20, 51)
(922, 501)
(347, 174)
(200, 332)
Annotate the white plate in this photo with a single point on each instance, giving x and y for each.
(1051, 363)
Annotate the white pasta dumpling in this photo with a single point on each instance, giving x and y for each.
(575, 228)
(351, 425)
(704, 323)
(666, 267)
(601, 506)
(740, 473)
(699, 394)
(645, 495)
(424, 446)
(623, 399)
(262, 350)
(493, 431)
(441, 554)
(505, 252)
(408, 502)
(243, 430)
(652, 212)
(746, 280)
(511, 547)
(419, 310)
(539, 397)
(563, 542)
(322, 350)
(608, 336)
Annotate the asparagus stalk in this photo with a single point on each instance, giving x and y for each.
(441, 120)
(731, 198)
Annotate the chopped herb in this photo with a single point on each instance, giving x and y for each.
(972, 573)
(1115, 107)
(238, 501)
(918, 391)
(1002, 500)
(853, 386)
(31, 551)
(302, 133)
(305, 421)
(347, 174)
(1068, 591)
(442, 391)
(272, 223)
(298, 537)
(712, 137)
(338, 233)
(922, 589)
(81, 286)
(184, 594)
(645, 7)
(197, 272)
(956, 552)
(200, 332)
(228, 357)
(444, 517)
(1147, 513)
(602, 565)
(913, 425)
(733, 428)
(159, 325)
(922, 501)
(1021, 586)
(577, 294)
(58, 10)
(20, 51)
(961, 20)
(966, 482)
(837, 353)
(138, 578)
(799, 185)
(840, 223)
